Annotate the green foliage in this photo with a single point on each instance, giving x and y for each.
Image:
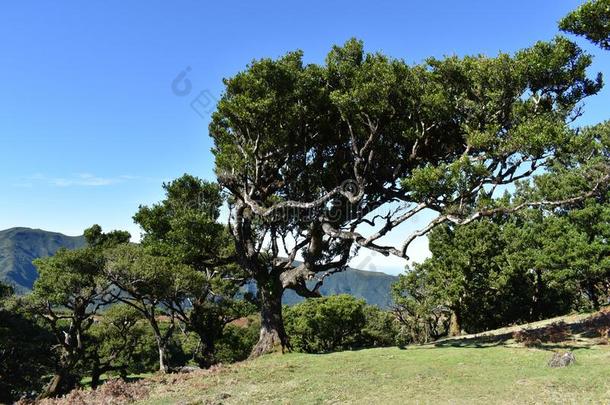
(326, 324)
(183, 229)
(5, 291)
(96, 238)
(591, 20)
(381, 328)
(237, 342)
(150, 279)
(119, 343)
(25, 350)
(183, 226)
(66, 296)
(153, 285)
(495, 272)
(338, 322)
(70, 277)
(418, 309)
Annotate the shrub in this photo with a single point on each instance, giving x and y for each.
(238, 340)
(338, 322)
(381, 328)
(325, 324)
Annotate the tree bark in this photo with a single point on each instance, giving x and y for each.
(96, 372)
(61, 383)
(206, 323)
(208, 353)
(272, 336)
(455, 324)
(593, 296)
(162, 340)
(536, 312)
(163, 363)
(95, 378)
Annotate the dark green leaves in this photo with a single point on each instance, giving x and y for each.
(591, 20)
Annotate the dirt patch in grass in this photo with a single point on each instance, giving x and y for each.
(117, 391)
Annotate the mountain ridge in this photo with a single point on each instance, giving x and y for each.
(19, 246)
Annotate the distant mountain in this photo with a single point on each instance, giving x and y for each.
(373, 287)
(20, 246)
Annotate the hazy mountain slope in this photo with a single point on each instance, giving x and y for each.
(19, 246)
(372, 286)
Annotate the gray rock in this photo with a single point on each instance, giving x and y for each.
(562, 359)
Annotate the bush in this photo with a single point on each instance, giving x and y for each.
(119, 342)
(338, 322)
(237, 341)
(325, 324)
(381, 328)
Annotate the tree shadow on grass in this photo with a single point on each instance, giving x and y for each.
(579, 334)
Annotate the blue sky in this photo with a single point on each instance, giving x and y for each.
(90, 126)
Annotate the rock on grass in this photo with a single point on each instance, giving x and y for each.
(562, 359)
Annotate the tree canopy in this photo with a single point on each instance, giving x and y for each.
(323, 159)
(591, 20)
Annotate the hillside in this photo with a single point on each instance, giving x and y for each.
(391, 375)
(19, 246)
(457, 371)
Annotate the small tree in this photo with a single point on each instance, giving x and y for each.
(156, 287)
(67, 294)
(381, 328)
(184, 228)
(419, 311)
(116, 343)
(319, 325)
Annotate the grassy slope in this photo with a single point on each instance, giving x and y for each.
(425, 374)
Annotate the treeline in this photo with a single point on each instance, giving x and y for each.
(116, 308)
(509, 270)
(47, 355)
(98, 309)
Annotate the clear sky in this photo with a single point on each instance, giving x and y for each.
(90, 125)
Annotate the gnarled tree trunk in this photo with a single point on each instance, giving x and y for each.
(272, 337)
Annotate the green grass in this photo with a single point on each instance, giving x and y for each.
(424, 375)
